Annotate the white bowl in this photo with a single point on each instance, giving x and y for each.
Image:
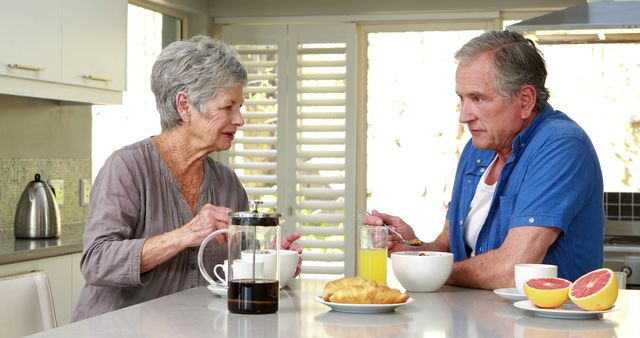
(422, 271)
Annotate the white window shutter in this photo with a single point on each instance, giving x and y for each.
(322, 58)
(256, 150)
(304, 120)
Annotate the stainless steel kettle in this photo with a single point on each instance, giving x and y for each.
(37, 213)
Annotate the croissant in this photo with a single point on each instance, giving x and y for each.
(358, 290)
(331, 287)
(387, 295)
(357, 294)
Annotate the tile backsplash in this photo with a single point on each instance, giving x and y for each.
(16, 173)
(622, 206)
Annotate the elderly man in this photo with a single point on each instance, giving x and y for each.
(528, 187)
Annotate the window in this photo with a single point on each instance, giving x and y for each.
(413, 136)
(297, 148)
(596, 84)
(148, 31)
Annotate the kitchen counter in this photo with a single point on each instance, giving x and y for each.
(450, 312)
(20, 250)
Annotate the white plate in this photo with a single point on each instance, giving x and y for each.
(511, 294)
(567, 310)
(218, 290)
(362, 308)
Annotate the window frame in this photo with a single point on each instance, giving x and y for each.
(182, 16)
(365, 24)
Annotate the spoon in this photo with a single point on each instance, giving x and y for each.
(409, 242)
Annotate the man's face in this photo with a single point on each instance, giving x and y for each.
(493, 120)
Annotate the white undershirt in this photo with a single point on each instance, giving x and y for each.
(479, 210)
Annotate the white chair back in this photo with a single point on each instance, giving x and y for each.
(26, 306)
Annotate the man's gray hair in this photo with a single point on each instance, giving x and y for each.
(516, 62)
(200, 67)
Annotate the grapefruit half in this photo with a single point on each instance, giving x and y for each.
(547, 292)
(595, 291)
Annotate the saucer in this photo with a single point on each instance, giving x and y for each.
(567, 310)
(218, 290)
(510, 294)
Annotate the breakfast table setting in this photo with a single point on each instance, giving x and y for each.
(256, 294)
(447, 312)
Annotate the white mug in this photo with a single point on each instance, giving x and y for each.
(622, 279)
(241, 269)
(268, 259)
(223, 266)
(288, 263)
(524, 272)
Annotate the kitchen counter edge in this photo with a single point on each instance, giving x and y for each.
(21, 250)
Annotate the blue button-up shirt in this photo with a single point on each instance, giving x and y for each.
(551, 179)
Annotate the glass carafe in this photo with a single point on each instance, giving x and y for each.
(253, 260)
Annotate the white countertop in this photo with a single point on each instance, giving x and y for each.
(20, 250)
(450, 312)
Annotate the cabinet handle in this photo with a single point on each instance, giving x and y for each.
(25, 67)
(96, 78)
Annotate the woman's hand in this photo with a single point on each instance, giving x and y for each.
(159, 249)
(395, 222)
(209, 219)
(287, 243)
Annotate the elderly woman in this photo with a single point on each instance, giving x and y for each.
(153, 202)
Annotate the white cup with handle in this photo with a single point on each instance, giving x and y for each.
(622, 279)
(225, 272)
(241, 269)
(524, 272)
(288, 264)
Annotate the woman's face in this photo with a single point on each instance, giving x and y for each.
(217, 128)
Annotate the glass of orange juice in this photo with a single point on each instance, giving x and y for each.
(372, 253)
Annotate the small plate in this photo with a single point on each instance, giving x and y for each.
(510, 294)
(219, 290)
(362, 308)
(567, 310)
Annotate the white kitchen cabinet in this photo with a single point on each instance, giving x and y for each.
(70, 50)
(77, 281)
(64, 277)
(94, 43)
(30, 39)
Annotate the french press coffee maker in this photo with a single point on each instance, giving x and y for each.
(253, 260)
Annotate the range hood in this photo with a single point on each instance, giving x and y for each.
(592, 22)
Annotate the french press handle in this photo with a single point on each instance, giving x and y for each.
(203, 271)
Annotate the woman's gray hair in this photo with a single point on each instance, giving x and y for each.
(516, 62)
(200, 67)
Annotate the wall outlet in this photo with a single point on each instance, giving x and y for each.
(58, 187)
(85, 191)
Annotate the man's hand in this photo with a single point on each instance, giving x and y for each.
(395, 244)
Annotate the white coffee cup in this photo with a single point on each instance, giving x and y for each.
(524, 272)
(241, 269)
(224, 266)
(288, 263)
(622, 279)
